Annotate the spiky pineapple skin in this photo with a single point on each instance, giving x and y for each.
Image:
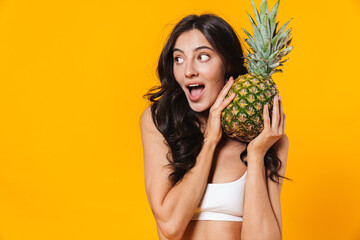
(242, 119)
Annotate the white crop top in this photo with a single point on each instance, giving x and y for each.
(222, 201)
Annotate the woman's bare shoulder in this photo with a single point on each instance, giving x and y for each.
(146, 117)
(154, 143)
(147, 125)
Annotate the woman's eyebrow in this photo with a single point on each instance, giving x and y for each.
(196, 49)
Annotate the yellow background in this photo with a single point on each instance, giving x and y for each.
(72, 76)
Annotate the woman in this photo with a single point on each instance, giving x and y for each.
(194, 179)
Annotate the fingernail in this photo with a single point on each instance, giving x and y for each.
(279, 97)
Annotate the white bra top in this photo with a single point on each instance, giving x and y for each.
(222, 201)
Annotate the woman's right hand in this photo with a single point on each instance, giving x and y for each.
(213, 131)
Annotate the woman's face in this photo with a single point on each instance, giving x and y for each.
(198, 69)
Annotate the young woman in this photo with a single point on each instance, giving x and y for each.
(195, 175)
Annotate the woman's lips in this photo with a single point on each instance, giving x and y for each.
(195, 93)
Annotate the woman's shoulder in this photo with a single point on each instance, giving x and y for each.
(146, 122)
(150, 134)
(146, 115)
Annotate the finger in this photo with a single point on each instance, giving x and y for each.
(275, 115)
(266, 117)
(227, 101)
(226, 81)
(283, 126)
(224, 91)
(282, 121)
(227, 86)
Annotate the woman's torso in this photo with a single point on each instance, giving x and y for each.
(227, 167)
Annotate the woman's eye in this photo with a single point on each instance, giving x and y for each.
(178, 60)
(204, 57)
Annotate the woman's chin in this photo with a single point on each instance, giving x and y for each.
(199, 108)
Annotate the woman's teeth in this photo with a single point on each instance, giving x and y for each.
(196, 89)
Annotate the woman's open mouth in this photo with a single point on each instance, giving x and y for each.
(195, 91)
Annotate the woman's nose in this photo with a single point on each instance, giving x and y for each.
(190, 70)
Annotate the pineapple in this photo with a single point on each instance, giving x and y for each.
(242, 118)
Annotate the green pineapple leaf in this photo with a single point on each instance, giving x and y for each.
(283, 52)
(275, 71)
(286, 51)
(283, 36)
(252, 45)
(274, 41)
(285, 60)
(249, 35)
(263, 8)
(275, 65)
(288, 43)
(278, 34)
(273, 31)
(264, 27)
(284, 26)
(266, 48)
(272, 17)
(283, 41)
(256, 13)
(273, 55)
(258, 39)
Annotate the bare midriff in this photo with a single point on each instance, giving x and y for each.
(212, 230)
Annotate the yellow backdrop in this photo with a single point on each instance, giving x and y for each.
(72, 77)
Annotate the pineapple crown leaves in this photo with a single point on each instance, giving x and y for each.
(266, 44)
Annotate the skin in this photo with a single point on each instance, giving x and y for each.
(204, 66)
(195, 60)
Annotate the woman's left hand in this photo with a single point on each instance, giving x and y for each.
(272, 131)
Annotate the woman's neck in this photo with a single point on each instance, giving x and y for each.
(203, 118)
(231, 143)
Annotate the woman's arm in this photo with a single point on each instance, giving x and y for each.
(262, 205)
(259, 221)
(260, 218)
(173, 207)
(282, 148)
